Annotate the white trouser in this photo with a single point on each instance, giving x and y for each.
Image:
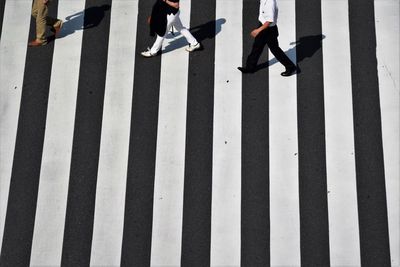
(173, 20)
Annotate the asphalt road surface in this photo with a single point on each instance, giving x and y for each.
(111, 159)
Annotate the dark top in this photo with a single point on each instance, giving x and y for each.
(158, 22)
(170, 9)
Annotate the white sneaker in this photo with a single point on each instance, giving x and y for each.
(192, 48)
(148, 53)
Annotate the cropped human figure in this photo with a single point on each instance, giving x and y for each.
(165, 14)
(267, 34)
(40, 12)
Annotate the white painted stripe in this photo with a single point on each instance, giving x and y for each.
(284, 190)
(226, 182)
(387, 36)
(13, 45)
(340, 161)
(114, 148)
(54, 176)
(170, 154)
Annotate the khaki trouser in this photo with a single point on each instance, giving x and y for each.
(40, 13)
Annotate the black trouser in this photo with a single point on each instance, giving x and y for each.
(268, 36)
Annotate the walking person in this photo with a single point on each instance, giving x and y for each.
(40, 12)
(267, 34)
(165, 14)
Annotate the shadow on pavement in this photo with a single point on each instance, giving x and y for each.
(83, 20)
(305, 47)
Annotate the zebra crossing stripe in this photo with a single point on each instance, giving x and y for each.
(13, 47)
(56, 159)
(255, 231)
(343, 220)
(372, 207)
(387, 37)
(284, 184)
(170, 156)
(196, 229)
(136, 242)
(314, 231)
(341, 177)
(226, 174)
(87, 130)
(19, 224)
(114, 146)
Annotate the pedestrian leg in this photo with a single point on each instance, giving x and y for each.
(34, 9)
(157, 44)
(53, 22)
(42, 12)
(160, 39)
(185, 32)
(273, 45)
(258, 47)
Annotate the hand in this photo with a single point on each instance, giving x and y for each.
(45, 2)
(254, 33)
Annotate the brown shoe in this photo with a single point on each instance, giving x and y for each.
(36, 43)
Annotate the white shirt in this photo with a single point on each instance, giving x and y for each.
(268, 12)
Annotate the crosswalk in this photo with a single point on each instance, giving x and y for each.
(111, 159)
(341, 174)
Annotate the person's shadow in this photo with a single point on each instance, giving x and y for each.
(201, 32)
(86, 19)
(305, 47)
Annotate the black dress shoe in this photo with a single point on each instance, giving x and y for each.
(289, 71)
(245, 70)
